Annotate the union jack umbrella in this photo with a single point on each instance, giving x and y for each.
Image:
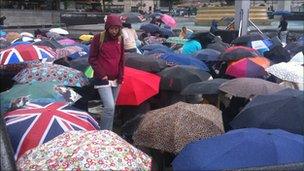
(36, 124)
(25, 52)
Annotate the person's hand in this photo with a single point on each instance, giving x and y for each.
(105, 78)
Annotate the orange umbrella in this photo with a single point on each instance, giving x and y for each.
(248, 67)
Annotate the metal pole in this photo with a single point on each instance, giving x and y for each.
(255, 26)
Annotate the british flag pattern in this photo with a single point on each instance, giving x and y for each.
(25, 52)
(35, 124)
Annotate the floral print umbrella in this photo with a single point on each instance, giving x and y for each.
(52, 72)
(85, 150)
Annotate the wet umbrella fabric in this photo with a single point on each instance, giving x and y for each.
(132, 17)
(208, 55)
(137, 87)
(81, 64)
(49, 43)
(4, 44)
(52, 72)
(166, 32)
(37, 123)
(205, 87)
(241, 148)
(219, 46)
(278, 54)
(144, 63)
(171, 128)
(249, 87)
(290, 71)
(238, 52)
(248, 67)
(299, 57)
(150, 28)
(246, 39)
(176, 40)
(181, 59)
(86, 150)
(168, 20)
(176, 78)
(66, 41)
(281, 110)
(150, 47)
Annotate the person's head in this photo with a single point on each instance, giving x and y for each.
(282, 18)
(113, 25)
(184, 29)
(127, 25)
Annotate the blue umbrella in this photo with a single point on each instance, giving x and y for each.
(242, 148)
(83, 53)
(150, 47)
(150, 28)
(20, 43)
(181, 59)
(166, 32)
(285, 13)
(208, 55)
(156, 15)
(158, 50)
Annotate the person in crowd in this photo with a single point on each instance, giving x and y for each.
(283, 30)
(155, 38)
(130, 37)
(185, 33)
(107, 60)
(213, 27)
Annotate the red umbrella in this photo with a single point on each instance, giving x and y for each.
(137, 87)
(248, 67)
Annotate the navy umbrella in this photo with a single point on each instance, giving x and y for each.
(154, 46)
(242, 148)
(166, 32)
(150, 28)
(283, 13)
(144, 63)
(281, 110)
(181, 59)
(178, 77)
(219, 46)
(208, 55)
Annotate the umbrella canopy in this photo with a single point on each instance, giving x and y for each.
(68, 51)
(52, 72)
(208, 55)
(22, 53)
(247, 39)
(205, 87)
(181, 59)
(176, 40)
(66, 41)
(132, 17)
(144, 63)
(289, 71)
(11, 36)
(241, 148)
(281, 110)
(49, 43)
(249, 87)
(171, 128)
(238, 52)
(294, 47)
(85, 150)
(137, 87)
(86, 37)
(178, 77)
(299, 57)
(282, 12)
(248, 67)
(166, 32)
(38, 123)
(27, 34)
(47, 91)
(81, 64)
(168, 20)
(150, 28)
(59, 31)
(219, 46)
(150, 47)
(278, 54)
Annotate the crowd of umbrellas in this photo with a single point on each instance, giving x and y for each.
(227, 106)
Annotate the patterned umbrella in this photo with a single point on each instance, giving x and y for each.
(249, 87)
(171, 128)
(137, 87)
(168, 20)
(248, 67)
(38, 123)
(85, 150)
(66, 41)
(290, 71)
(68, 50)
(299, 57)
(176, 40)
(4, 44)
(21, 53)
(52, 72)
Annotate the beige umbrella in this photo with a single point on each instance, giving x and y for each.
(85, 150)
(11, 36)
(171, 128)
(249, 87)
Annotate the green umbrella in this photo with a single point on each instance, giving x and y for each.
(176, 40)
(89, 72)
(38, 91)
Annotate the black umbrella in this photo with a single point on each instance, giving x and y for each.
(204, 38)
(50, 43)
(238, 52)
(209, 87)
(219, 46)
(244, 40)
(178, 77)
(277, 54)
(294, 47)
(281, 110)
(81, 64)
(208, 55)
(132, 17)
(144, 63)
